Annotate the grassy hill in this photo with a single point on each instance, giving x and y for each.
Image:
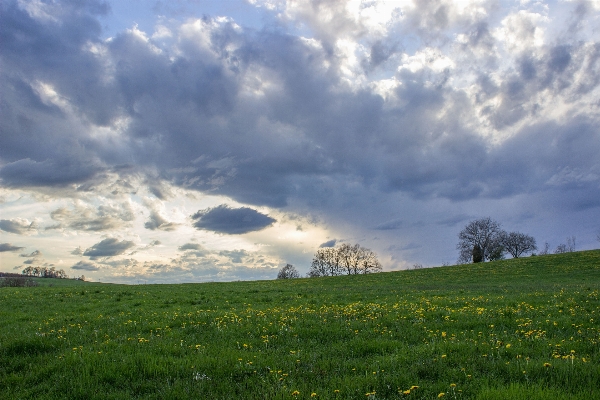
(526, 328)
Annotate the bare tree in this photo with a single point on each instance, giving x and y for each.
(485, 233)
(545, 250)
(517, 243)
(326, 262)
(571, 244)
(561, 248)
(566, 248)
(288, 272)
(368, 262)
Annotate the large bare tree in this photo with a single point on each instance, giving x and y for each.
(484, 233)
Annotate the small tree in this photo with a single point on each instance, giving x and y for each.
(517, 243)
(571, 244)
(288, 272)
(545, 250)
(561, 248)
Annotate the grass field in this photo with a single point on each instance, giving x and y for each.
(514, 329)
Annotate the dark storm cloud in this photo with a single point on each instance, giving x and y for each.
(9, 247)
(86, 266)
(26, 172)
(108, 248)
(16, 226)
(234, 221)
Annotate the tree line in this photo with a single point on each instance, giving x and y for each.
(44, 272)
(333, 261)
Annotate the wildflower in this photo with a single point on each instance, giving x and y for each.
(508, 346)
(414, 387)
(295, 393)
(547, 365)
(336, 391)
(453, 385)
(406, 391)
(313, 395)
(441, 395)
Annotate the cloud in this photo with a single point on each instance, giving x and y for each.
(190, 246)
(9, 247)
(329, 243)
(236, 256)
(390, 225)
(158, 222)
(86, 218)
(108, 248)
(78, 251)
(234, 221)
(35, 253)
(26, 172)
(18, 226)
(85, 266)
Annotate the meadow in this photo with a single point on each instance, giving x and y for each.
(522, 329)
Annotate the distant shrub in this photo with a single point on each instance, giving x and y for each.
(17, 282)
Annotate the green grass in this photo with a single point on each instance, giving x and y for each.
(519, 329)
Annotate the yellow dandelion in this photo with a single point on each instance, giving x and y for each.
(453, 385)
(547, 365)
(313, 395)
(295, 393)
(441, 395)
(414, 387)
(406, 391)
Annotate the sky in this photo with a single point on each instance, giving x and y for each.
(146, 141)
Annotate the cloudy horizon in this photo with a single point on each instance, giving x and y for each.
(194, 140)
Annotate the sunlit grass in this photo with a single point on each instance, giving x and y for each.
(522, 328)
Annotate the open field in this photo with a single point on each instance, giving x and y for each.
(526, 328)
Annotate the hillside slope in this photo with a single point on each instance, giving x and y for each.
(525, 328)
